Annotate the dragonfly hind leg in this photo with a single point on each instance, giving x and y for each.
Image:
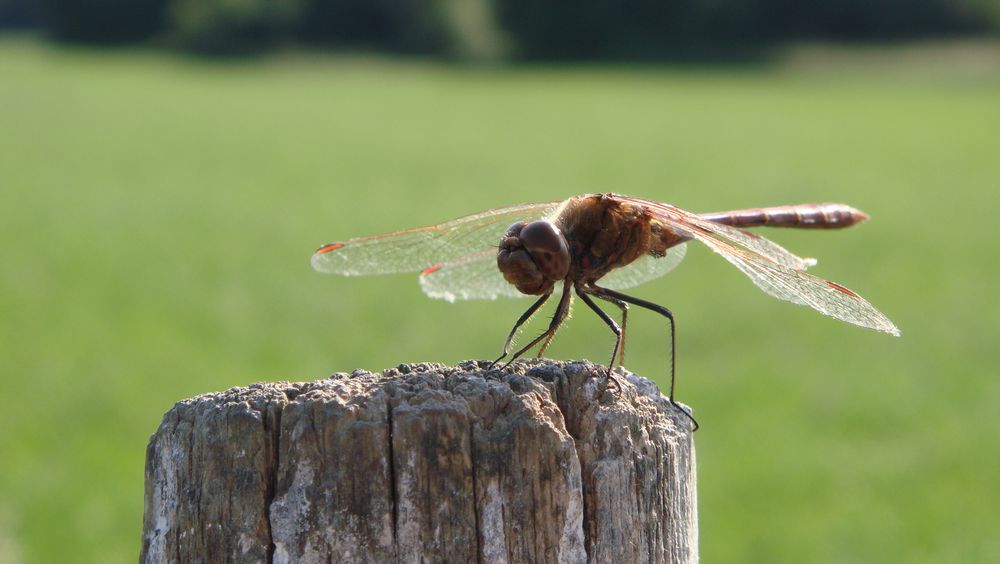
(624, 308)
(615, 328)
(599, 291)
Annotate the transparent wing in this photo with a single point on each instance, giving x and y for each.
(684, 222)
(774, 270)
(802, 288)
(472, 277)
(414, 250)
(759, 245)
(644, 269)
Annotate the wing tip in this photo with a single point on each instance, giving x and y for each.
(882, 322)
(318, 259)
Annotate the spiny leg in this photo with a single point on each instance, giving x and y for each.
(517, 325)
(557, 319)
(548, 340)
(545, 344)
(624, 307)
(596, 290)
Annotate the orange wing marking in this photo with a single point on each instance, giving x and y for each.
(840, 288)
(330, 247)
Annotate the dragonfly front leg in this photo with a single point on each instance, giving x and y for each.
(547, 341)
(562, 311)
(545, 345)
(620, 344)
(517, 325)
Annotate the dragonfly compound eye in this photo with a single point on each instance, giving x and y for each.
(533, 256)
(518, 269)
(547, 247)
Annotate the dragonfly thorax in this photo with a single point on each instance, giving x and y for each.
(533, 256)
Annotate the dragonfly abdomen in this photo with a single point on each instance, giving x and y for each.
(816, 216)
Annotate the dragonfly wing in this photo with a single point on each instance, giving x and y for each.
(759, 245)
(773, 269)
(644, 269)
(472, 277)
(414, 250)
(684, 222)
(802, 288)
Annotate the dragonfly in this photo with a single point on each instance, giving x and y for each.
(594, 246)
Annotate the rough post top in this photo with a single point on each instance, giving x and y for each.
(542, 461)
(425, 380)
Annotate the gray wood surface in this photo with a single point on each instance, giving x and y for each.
(542, 462)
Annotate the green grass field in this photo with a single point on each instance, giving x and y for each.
(157, 215)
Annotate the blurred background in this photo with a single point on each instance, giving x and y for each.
(168, 166)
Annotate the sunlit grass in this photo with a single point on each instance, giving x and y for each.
(157, 215)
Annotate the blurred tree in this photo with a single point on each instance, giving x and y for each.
(872, 19)
(409, 26)
(227, 27)
(622, 29)
(19, 14)
(485, 29)
(639, 29)
(104, 21)
(474, 32)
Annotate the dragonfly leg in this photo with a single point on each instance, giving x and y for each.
(597, 290)
(547, 341)
(517, 325)
(562, 311)
(545, 345)
(619, 334)
(624, 307)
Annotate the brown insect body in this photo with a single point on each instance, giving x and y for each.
(605, 234)
(601, 234)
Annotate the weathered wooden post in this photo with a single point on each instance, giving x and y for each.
(542, 462)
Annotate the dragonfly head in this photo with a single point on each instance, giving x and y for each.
(533, 256)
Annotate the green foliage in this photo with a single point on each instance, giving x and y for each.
(158, 215)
